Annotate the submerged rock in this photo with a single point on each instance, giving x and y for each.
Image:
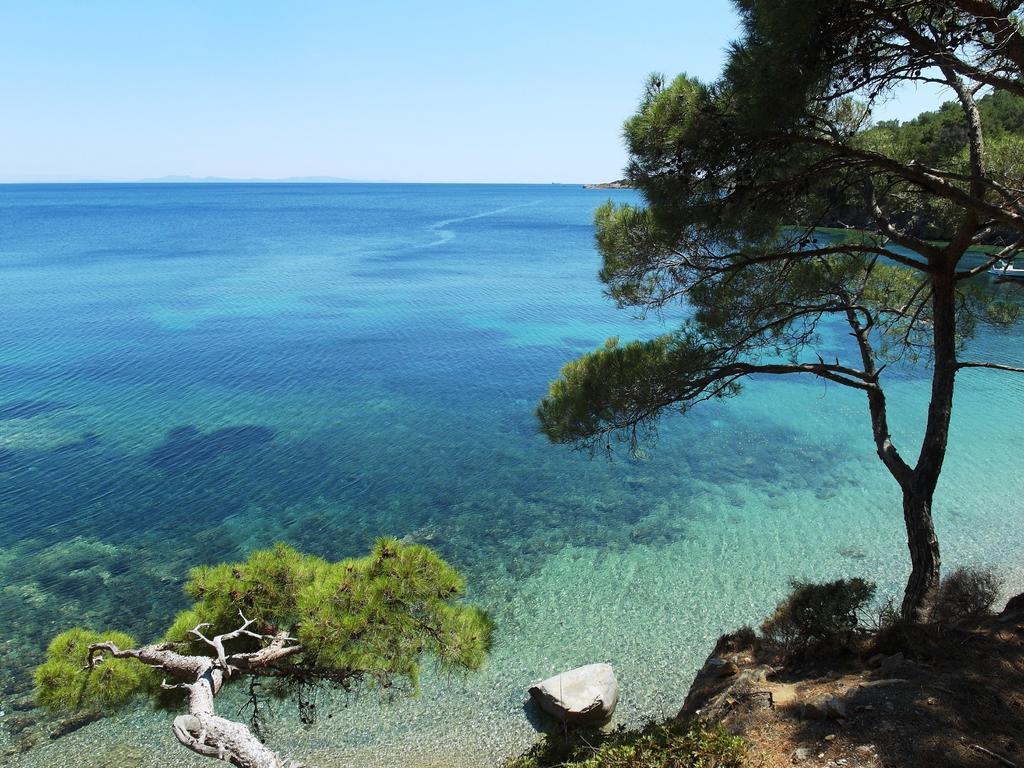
(586, 694)
(73, 723)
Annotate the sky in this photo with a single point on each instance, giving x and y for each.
(531, 91)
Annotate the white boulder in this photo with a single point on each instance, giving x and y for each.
(583, 695)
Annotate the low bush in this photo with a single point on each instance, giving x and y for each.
(743, 639)
(672, 745)
(885, 617)
(816, 613)
(969, 592)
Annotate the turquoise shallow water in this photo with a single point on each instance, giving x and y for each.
(189, 372)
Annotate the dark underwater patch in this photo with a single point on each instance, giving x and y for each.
(187, 446)
(408, 274)
(574, 342)
(7, 458)
(26, 409)
(85, 442)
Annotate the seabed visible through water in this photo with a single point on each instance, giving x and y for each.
(191, 372)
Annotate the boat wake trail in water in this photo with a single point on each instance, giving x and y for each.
(444, 235)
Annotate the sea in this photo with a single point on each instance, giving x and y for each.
(189, 372)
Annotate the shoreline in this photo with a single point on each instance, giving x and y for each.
(456, 723)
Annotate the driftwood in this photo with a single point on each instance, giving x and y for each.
(201, 730)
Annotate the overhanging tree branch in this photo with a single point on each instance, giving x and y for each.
(362, 619)
(725, 167)
(993, 366)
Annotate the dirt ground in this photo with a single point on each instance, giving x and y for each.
(931, 696)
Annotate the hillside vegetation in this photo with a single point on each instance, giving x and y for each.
(939, 139)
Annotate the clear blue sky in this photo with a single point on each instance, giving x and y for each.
(479, 91)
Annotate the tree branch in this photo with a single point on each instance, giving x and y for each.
(944, 55)
(927, 250)
(913, 172)
(877, 406)
(993, 366)
(201, 730)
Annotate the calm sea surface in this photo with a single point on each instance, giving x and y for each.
(188, 372)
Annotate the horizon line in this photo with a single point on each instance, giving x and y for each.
(312, 181)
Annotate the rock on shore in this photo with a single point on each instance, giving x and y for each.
(586, 694)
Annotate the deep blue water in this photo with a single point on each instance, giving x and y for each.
(191, 371)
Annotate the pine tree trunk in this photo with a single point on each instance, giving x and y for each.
(923, 583)
(216, 737)
(919, 487)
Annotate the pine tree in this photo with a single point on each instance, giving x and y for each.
(738, 175)
(293, 618)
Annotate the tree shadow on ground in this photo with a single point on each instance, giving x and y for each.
(949, 696)
(931, 695)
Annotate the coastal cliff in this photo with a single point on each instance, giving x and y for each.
(914, 696)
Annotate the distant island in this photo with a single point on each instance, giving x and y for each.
(620, 184)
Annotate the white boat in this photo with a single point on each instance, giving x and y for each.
(1005, 269)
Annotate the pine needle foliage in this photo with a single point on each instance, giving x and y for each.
(740, 175)
(657, 745)
(62, 682)
(361, 621)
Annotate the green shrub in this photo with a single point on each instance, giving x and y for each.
(743, 639)
(886, 617)
(969, 592)
(672, 745)
(815, 613)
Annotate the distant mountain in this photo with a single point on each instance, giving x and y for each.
(225, 180)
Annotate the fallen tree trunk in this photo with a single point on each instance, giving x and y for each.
(201, 729)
